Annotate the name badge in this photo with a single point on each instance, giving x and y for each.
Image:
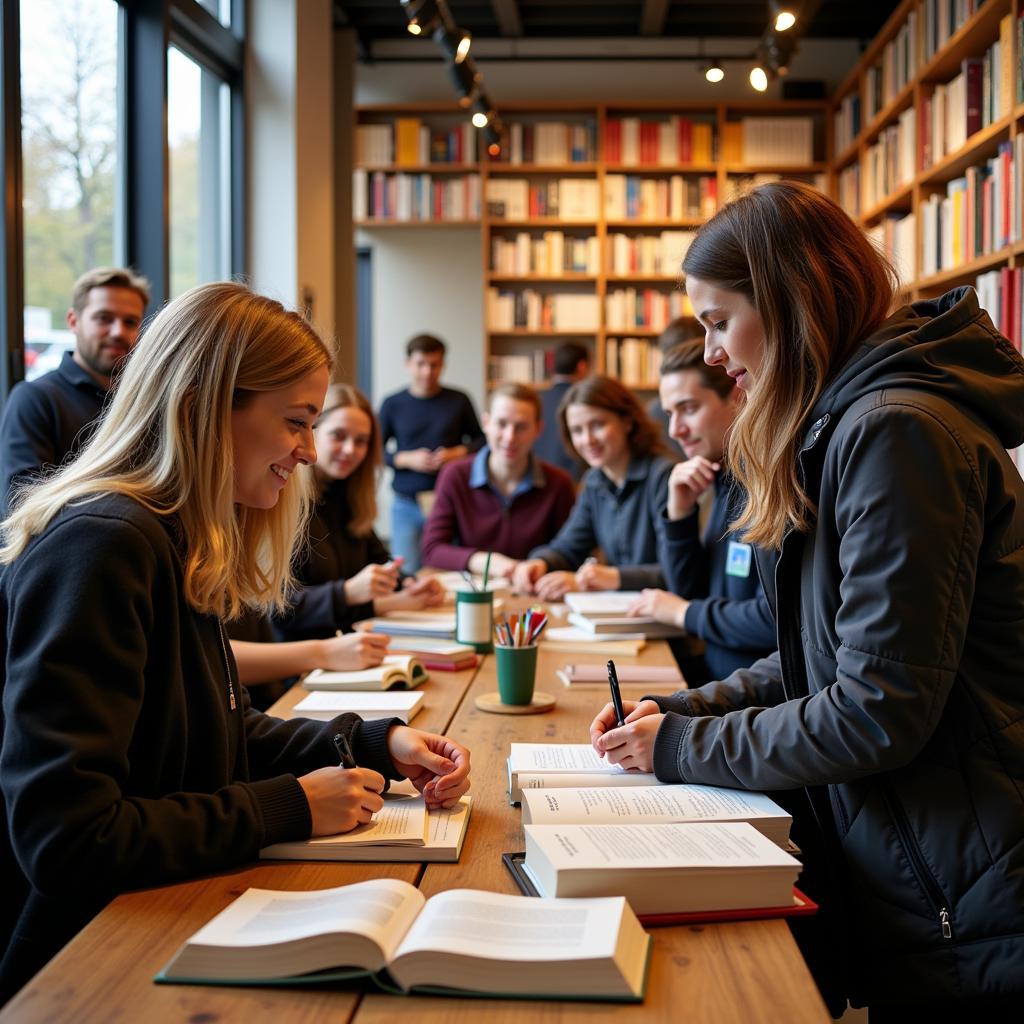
(738, 559)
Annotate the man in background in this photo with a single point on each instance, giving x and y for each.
(423, 428)
(572, 363)
(683, 328)
(47, 420)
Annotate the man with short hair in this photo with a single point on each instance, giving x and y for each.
(47, 420)
(503, 500)
(716, 595)
(572, 363)
(422, 429)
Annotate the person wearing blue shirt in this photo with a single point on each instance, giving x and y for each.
(713, 588)
(423, 428)
(572, 363)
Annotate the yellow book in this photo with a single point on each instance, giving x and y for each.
(407, 141)
(732, 142)
(702, 153)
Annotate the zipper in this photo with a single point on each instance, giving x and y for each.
(232, 703)
(922, 872)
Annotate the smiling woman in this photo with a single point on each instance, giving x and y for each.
(136, 759)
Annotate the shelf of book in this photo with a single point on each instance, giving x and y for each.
(900, 200)
(964, 272)
(519, 169)
(565, 278)
(970, 38)
(376, 225)
(980, 146)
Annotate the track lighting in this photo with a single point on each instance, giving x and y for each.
(454, 42)
(423, 16)
(714, 72)
(759, 78)
(466, 79)
(783, 15)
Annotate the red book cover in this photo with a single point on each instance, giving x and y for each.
(1014, 304)
(802, 906)
(685, 141)
(986, 215)
(973, 69)
(1005, 200)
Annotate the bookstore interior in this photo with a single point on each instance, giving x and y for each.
(509, 175)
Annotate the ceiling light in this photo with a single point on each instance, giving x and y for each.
(758, 78)
(466, 79)
(481, 118)
(483, 113)
(455, 42)
(423, 16)
(714, 72)
(783, 16)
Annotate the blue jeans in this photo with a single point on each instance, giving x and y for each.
(406, 530)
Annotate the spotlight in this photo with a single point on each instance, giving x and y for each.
(455, 43)
(714, 72)
(492, 138)
(758, 78)
(783, 17)
(423, 16)
(466, 79)
(483, 112)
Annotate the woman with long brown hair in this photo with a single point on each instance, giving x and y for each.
(620, 504)
(872, 446)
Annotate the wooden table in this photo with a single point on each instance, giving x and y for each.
(748, 971)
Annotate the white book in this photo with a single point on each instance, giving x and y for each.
(565, 765)
(629, 625)
(662, 869)
(323, 705)
(396, 672)
(459, 940)
(600, 604)
(651, 805)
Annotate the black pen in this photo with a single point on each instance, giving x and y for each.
(344, 748)
(613, 683)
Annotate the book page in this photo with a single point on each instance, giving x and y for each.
(645, 804)
(360, 702)
(697, 844)
(445, 825)
(381, 909)
(489, 925)
(558, 757)
(402, 821)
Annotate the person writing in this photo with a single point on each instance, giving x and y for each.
(135, 759)
(347, 573)
(503, 501)
(620, 504)
(873, 450)
(714, 593)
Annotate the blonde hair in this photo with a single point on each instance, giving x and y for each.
(820, 288)
(362, 484)
(165, 441)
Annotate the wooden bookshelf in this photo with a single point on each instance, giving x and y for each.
(970, 40)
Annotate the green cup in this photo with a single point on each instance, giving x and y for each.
(517, 672)
(474, 619)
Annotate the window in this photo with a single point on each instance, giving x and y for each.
(69, 129)
(220, 9)
(198, 139)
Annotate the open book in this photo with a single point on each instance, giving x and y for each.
(396, 672)
(565, 765)
(458, 942)
(662, 869)
(648, 805)
(434, 653)
(323, 705)
(656, 677)
(402, 830)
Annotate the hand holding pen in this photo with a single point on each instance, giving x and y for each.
(625, 734)
(341, 800)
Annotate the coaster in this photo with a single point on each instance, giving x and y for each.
(492, 702)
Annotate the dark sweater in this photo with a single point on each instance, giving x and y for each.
(728, 609)
(549, 446)
(43, 422)
(123, 763)
(469, 515)
(334, 554)
(444, 420)
(625, 522)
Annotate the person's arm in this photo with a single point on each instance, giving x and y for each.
(741, 625)
(908, 492)
(575, 540)
(267, 662)
(26, 441)
(387, 432)
(441, 529)
(683, 558)
(649, 574)
(318, 609)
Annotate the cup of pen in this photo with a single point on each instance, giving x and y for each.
(474, 619)
(517, 673)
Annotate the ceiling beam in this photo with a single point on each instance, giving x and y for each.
(506, 12)
(653, 17)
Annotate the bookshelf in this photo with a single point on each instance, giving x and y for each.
(929, 154)
(585, 217)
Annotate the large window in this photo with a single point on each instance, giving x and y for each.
(69, 115)
(198, 139)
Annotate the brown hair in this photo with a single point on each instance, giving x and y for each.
(820, 288)
(362, 484)
(425, 343)
(107, 277)
(606, 393)
(689, 355)
(683, 328)
(518, 393)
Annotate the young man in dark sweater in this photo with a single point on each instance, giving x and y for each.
(423, 428)
(572, 363)
(715, 593)
(503, 500)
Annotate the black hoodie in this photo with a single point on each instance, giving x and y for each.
(897, 693)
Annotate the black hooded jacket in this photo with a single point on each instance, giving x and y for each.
(897, 693)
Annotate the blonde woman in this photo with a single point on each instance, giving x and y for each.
(872, 446)
(347, 573)
(130, 755)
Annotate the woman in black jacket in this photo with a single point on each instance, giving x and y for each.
(347, 573)
(873, 447)
(130, 754)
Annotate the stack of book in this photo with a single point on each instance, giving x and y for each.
(605, 612)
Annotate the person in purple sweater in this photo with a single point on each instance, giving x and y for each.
(502, 500)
